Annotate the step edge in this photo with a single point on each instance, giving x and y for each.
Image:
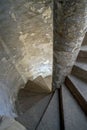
(77, 95)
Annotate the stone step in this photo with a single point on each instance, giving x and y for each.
(82, 56)
(31, 118)
(83, 48)
(26, 100)
(25, 93)
(83, 52)
(41, 82)
(85, 40)
(10, 124)
(51, 118)
(48, 81)
(82, 59)
(73, 116)
(79, 90)
(80, 70)
(38, 85)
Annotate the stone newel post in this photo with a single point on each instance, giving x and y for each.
(70, 22)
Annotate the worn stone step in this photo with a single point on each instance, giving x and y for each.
(85, 40)
(48, 81)
(80, 70)
(82, 56)
(31, 118)
(10, 124)
(79, 89)
(83, 48)
(51, 120)
(38, 85)
(83, 52)
(81, 65)
(25, 93)
(41, 82)
(26, 100)
(73, 116)
(82, 59)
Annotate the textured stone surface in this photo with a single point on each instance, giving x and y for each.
(74, 117)
(25, 46)
(51, 118)
(10, 124)
(31, 118)
(10, 81)
(26, 29)
(80, 70)
(78, 89)
(70, 24)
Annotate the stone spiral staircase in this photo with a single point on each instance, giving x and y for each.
(65, 108)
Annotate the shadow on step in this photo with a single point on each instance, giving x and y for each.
(33, 92)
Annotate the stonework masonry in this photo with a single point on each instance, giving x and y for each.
(26, 43)
(70, 23)
(25, 46)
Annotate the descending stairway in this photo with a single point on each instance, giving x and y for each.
(73, 94)
(77, 81)
(65, 108)
(51, 118)
(37, 103)
(73, 118)
(33, 92)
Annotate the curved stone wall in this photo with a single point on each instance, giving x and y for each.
(25, 46)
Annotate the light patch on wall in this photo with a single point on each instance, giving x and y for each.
(12, 15)
(22, 36)
(43, 69)
(47, 14)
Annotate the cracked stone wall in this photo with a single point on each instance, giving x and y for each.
(70, 23)
(25, 46)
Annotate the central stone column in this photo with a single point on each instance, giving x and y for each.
(70, 24)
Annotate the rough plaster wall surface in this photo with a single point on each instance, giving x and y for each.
(70, 23)
(10, 81)
(25, 46)
(26, 29)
